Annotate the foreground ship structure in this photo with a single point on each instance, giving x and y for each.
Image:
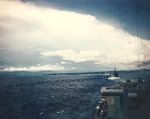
(129, 100)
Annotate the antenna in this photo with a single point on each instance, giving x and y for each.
(137, 31)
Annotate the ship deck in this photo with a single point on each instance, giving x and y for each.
(112, 110)
(133, 109)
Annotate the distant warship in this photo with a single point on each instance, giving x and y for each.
(115, 77)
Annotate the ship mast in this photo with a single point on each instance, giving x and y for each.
(137, 33)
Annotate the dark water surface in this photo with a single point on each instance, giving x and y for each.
(61, 96)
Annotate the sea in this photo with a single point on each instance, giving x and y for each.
(43, 95)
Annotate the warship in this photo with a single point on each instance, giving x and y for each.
(126, 100)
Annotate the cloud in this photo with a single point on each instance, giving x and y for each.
(72, 55)
(63, 62)
(27, 29)
(39, 68)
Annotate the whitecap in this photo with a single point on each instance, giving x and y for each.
(58, 112)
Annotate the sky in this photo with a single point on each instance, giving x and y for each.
(74, 35)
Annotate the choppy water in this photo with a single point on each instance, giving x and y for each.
(61, 96)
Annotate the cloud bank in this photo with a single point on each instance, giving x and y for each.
(36, 68)
(31, 35)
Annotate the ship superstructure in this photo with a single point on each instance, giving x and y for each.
(130, 100)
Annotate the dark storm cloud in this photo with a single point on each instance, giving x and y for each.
(126, 12)
(72, 34)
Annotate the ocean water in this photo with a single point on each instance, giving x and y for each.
(57, 96)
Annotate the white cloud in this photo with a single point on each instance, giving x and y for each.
(36, 68)
(63, 62)
(74, 56)
(72, 36)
